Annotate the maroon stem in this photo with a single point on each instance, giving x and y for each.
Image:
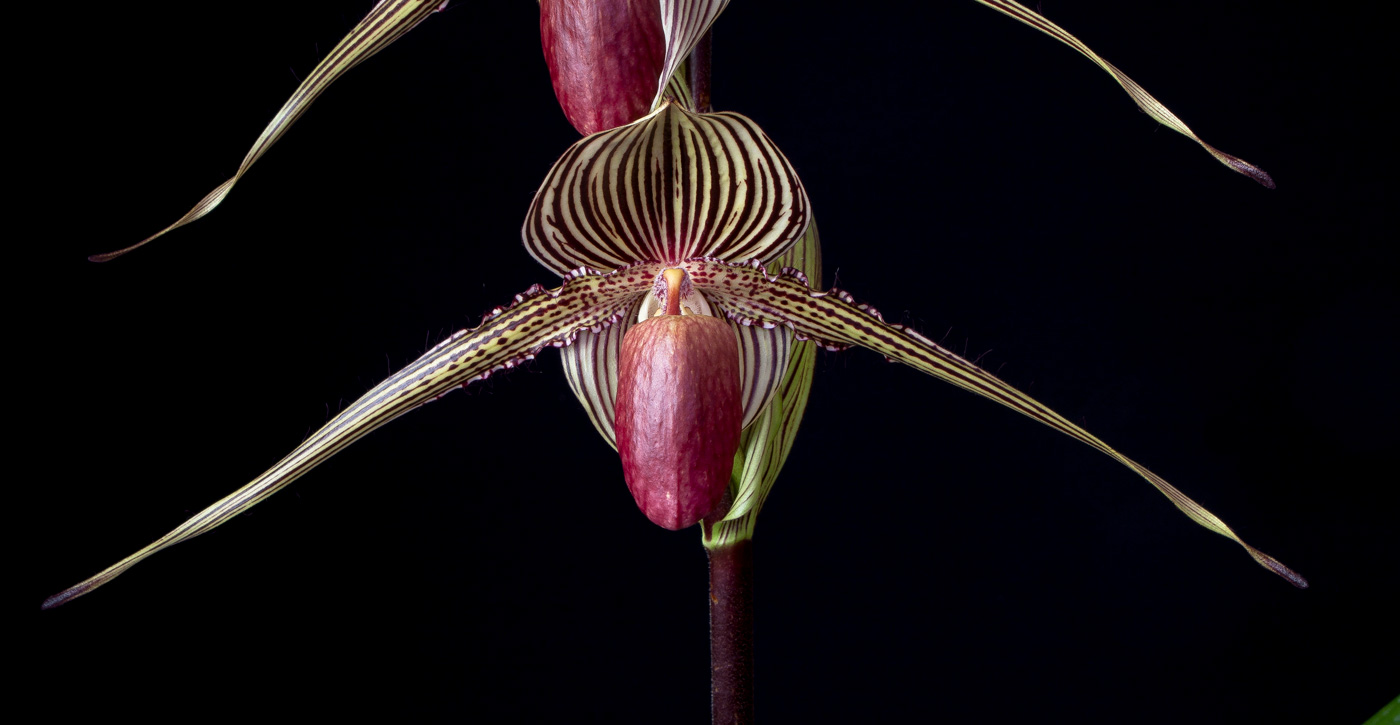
(700, 71)
(731, 567)
(731, 634)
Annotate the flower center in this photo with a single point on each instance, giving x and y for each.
(678, 413)
(673, 283)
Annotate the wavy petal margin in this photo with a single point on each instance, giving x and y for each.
(508, 336)
(1149, 105)
(833, 319)
(386, 22)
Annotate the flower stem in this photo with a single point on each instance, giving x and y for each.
(731, 566)
(700, 72)
(731, 633)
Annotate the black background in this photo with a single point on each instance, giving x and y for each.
(926, 554)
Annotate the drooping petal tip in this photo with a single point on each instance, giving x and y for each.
(385, 23)
(506, 337)
(1277, 567)
(747, 294)
(1244, 167)
(1144, 100)
(61, 597)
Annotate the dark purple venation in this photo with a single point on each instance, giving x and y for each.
(678, 415)
(604, 57)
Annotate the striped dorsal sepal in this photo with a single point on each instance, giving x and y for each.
(386, 22)
(672, 186)
(1144, 100)
(746, 293)
(508, 336)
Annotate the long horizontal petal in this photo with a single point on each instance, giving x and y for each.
(385, 23)
(833, 318)
(507, 337)
(1149, 105)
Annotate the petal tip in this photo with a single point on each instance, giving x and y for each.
(1256, 173)
(1277, 567)
(62, 597)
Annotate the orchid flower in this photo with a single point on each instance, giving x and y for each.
(680, 208)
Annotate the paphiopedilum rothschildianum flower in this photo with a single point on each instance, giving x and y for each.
(679, 219)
